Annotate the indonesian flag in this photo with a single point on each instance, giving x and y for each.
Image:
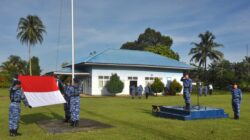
(41, 90)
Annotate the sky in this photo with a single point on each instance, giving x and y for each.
(106, 24)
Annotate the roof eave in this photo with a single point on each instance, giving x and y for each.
(136, 65)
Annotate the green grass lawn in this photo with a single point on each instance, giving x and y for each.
(132, 119)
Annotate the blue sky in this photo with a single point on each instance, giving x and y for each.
(103, 24)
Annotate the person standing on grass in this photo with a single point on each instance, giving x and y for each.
(146, 91)
(200, 89)
(133, 91)
(75, 91)
(236, 100)
(205, 90)
(140, 90)
(16, 96)
(187, 84)
(66, 96)
(210, 87)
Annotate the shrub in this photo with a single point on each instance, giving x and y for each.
(157, 86)
(175, 87)
(4, 80)
(114, 85)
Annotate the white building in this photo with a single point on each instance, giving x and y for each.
(133, 67)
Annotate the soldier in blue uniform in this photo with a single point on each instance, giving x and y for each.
(16, 96)
(187, 89)
(236, 100)
(146, 91)
(75, 102)
(66, 95)
(205, 90)
(200, 89)
(140, 90)
(133, 91)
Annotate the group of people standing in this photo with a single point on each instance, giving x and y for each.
(235, 92)
(206, 89)
(138, 91)
(71, 93)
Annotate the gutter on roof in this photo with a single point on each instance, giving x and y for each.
(131, 65)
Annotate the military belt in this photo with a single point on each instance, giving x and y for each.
(15, 101)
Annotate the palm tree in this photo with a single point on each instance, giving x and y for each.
(205, 49)
(30, 32)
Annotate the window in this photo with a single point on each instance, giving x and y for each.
(132, 78)
(150, 80)
(103, 80)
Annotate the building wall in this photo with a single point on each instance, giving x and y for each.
(125, 73)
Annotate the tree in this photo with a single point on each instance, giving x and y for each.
(14, 65)
(114, 85)
(153, 41)
(206, 48)
(30, 32)
(175, 87)
(36, 70)
(161, 50)
(157, 86)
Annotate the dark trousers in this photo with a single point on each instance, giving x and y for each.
(210, 92)
(146, 94)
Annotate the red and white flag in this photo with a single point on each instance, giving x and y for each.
(41, 90)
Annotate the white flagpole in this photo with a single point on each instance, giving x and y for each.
(72, 41)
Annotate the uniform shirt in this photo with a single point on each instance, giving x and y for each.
(140, 89)
(236, 94)
(75, 90)
(187, 83)
(146, 89)
(16, 95)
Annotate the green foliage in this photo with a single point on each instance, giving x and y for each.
(14, 65)
(5, 80)
(30, 31)
(36, 70)
(175, 87)
(157, 86)
(162, 50)
(114, 85)
(206, 48)
(153, 41)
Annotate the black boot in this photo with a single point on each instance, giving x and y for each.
(236, 117)
(76, 123)
(11, 132)
(16, 133)
(73, 123)
(187, 106)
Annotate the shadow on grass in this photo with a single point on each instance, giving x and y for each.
(158, 133)
(36, 117)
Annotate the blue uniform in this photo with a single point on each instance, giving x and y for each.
(187, 85)
(236, 100)
(140, 90)
(16, 96)
(133, 91)
(67, 104)
(200, 90)
(205, 90)
(75, 102)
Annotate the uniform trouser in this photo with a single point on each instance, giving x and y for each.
(14, 115)
(67, 107)
(147, 95)
(236, 107)
(75, 108)
(186, 96)
(200, 92)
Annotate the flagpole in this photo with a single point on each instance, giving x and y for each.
(72, 41)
